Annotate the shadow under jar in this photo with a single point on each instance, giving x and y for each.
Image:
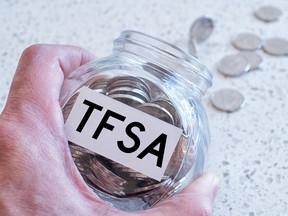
(161, 80)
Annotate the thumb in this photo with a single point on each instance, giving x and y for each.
(195, 200)
(207, 185)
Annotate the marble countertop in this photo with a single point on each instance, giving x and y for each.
(249, 148)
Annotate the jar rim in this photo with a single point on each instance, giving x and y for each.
(171, 51)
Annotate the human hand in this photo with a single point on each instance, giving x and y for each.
(37, 173)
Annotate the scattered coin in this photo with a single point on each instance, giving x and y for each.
(228, 100)
(201, 29)
(276, 46)
(192, 47)
(268, 13)
(233, 65)
(253, 59)
(247, 41)
(182, 44)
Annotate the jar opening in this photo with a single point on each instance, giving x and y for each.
(166, 55)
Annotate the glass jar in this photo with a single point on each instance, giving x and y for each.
(161, 80)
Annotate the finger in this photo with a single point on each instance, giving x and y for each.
(40, 74)
(197, 199)
(207, 184)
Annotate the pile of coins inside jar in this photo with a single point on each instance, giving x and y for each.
(97, 170)
(246, 60)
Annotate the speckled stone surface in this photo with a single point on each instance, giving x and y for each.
(249, 148)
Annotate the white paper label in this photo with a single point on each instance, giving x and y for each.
(121, 133)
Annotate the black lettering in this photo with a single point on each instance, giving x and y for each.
(91, 107)
(133, 136)
(150, 149)
(104, 124)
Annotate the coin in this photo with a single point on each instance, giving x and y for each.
(96, 183)
(129, 90)
(179, 153)
(268, 13)
(233, 65)
(157, 111)
(99, 86)
(192, 47)
(247, 41)
(128, 99)
(68, 106)
(276, 46)
(155, 90)
(168, 105)
(201, 29)
(181, 44)
(228, 100)
(253, 59)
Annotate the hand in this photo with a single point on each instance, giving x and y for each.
(37, 173)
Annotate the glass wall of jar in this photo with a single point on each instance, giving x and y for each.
(161, 80)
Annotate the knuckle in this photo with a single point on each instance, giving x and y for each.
(206, 211)
(35, 50)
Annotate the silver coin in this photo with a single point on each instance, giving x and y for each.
(99, 86)
(68, 106)
(228, 100)
(158, 112)
(192, 47)
(133, 91)
(98, 83)
(128, 85)
(268, 13)
(178, 155)
(183, 44)
(276, 46)
(99, 172)
(253, 58)
(129, 90)
(136, 182)
(247, 41)
(146, 188)
(102, 185)
(201, 29)
(127, 99)
(168, 105)
(155, 91)
(233, 65)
